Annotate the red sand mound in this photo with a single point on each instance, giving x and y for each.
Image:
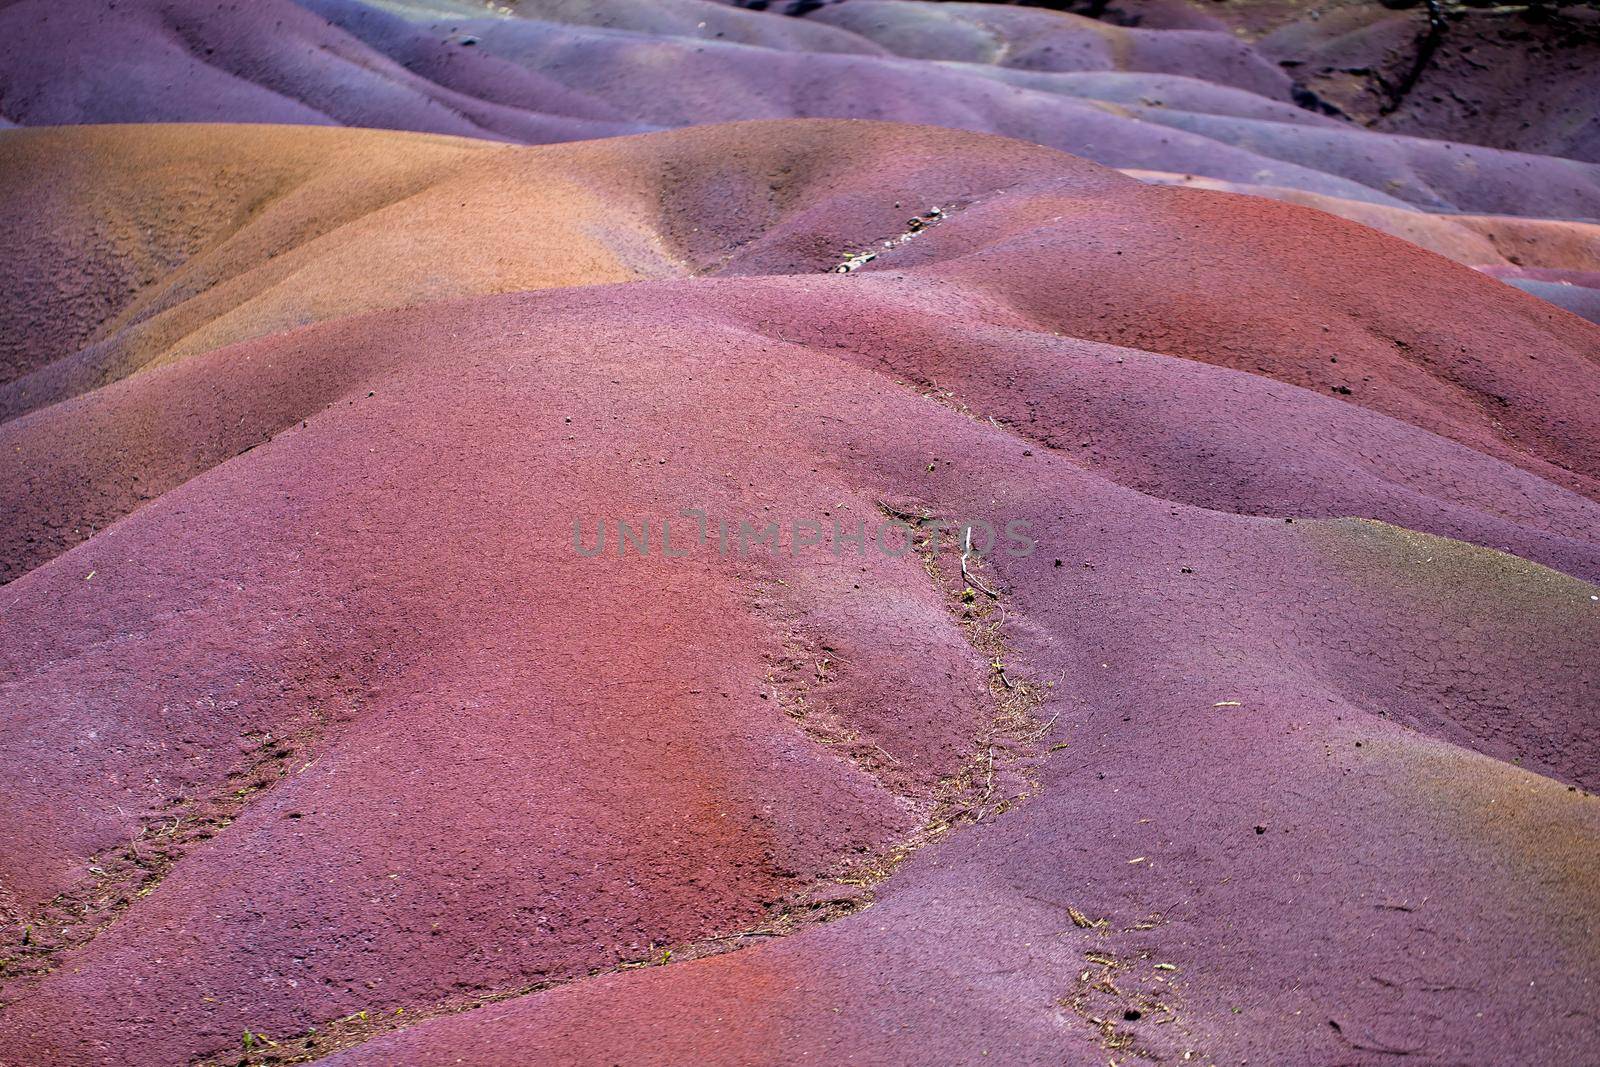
(330, 734)
(1487, 242)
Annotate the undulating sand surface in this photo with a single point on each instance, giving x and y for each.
(333, 335)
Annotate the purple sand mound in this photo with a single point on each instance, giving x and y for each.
(1208, 104)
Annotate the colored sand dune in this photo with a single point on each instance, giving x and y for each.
(345, 722)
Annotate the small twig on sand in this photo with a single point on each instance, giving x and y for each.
(966, 576)
(1036, 735)
(746, 933)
